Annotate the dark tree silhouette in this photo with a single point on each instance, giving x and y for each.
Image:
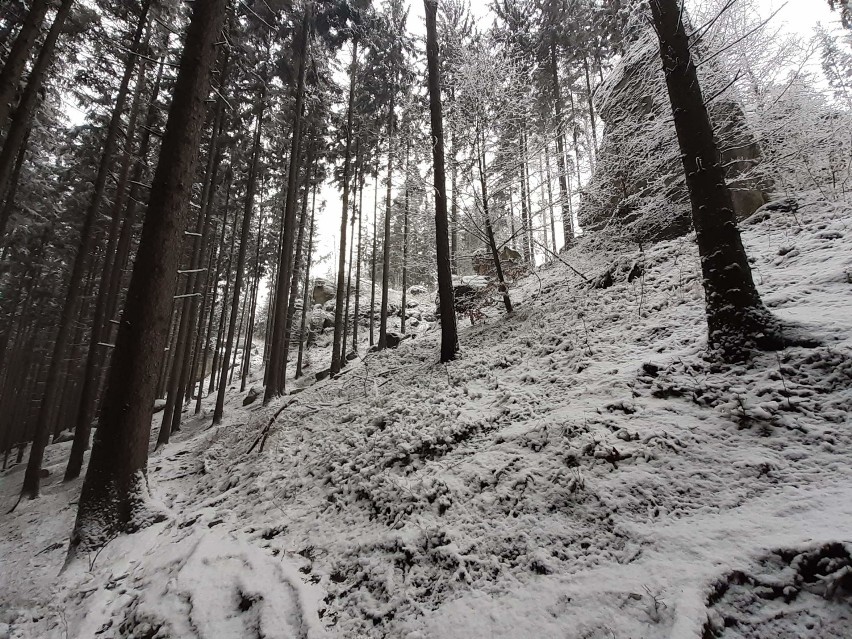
(114, 494)
(736, 318)
(449, 333)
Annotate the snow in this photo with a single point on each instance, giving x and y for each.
(583, 470)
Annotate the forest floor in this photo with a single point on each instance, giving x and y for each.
(583, 471)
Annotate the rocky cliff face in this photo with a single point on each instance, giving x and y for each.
(638, 185)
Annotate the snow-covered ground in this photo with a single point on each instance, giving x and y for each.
(582, 471)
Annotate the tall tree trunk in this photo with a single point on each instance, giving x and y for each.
(297, 258)
(357, 312)
(386, 245)
(576, 143)
(530, 225)
(241, 258)
(223, 315)
(544, 206)
(454, 210)
(13, 68)
(525, 229)
(306, 292)
(550, 197)
(87, 238)
(22, 119)
(405, 215)
(114, 498)
(349, 271)
(373, 256)
(183, 364)
(337, 349)
(736, 318)
(14, 180)
(489, 228)
(449, 334)
(96, 353)
(275, 379)
(122, 251)
(250, 328)
(594, 150)
(564, 200)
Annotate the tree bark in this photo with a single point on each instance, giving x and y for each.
(358, 261)
(241, 259)
(115, 491)
(383, 313)
(223, 315)
(373, 255)
(449, 333)
(87, 238)
(349, 271)
(306, 295)
(564, 200)
(337, 349)
(95, 355)
(405, 215)
(736, 318)
(13, 69)
(275, 379)
(297, 258)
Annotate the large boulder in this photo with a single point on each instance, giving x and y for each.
(320, 319)
(322, 292)
(468, 292)
(638, 187)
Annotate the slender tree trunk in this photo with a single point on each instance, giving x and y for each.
(122, 251)
(454, 210)
(386, 245)
(525, 229)
(277, 356)
(23, 116)
(297, 258)
(96, 353)
(114, 497)
(223, 315)
(564, 200)
(576, 143)
(550, 197)
(530, 225)
(405, 215)
(357, 316)
(594, 149)
(373, 256)
(736, 318)
(349, 273)
(13, 68)
(542, 203)
(252, 308)
(338, 349)
(306, 292)
(183, 369)
(489, 229)
(202, 344)
(449, 334)
(87, 238)
(241, 259)
(246, 300)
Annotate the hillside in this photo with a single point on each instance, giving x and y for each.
(583, 470)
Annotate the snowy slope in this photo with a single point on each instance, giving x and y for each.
(581, 471)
